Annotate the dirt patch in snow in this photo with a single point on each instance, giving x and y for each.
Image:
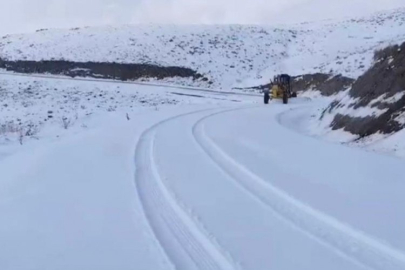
(115, 71)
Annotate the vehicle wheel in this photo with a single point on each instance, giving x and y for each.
(266, 98)
(285, 98)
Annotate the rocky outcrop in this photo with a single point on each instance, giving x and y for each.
(381, 88)
(116, 71)
(328, 85)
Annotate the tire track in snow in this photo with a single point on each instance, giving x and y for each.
(183, 242)
(346, 241)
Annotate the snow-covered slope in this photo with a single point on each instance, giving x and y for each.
(38, 110)
(223, 53)
(372, 110)
(345, 47)
(229, 55)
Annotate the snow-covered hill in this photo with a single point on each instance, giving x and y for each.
(229, 55)
(345, 47)
(223, 53)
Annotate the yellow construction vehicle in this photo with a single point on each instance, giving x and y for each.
(280, 88)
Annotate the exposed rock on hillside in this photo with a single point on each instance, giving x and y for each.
(376, 102)
(326, 84)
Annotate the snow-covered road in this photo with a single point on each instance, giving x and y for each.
(202, 187)
(226, 189)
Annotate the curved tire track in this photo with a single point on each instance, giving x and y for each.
(346, 241)
(183, 242)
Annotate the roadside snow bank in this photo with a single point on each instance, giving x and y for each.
(391, 144)
(305, 120)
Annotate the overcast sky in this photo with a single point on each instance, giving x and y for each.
(29, 15)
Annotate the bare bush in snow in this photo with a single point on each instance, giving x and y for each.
(21, 136)
(31, 130)
(9, 128)
(66, 122)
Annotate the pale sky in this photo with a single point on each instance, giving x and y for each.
(28, 15)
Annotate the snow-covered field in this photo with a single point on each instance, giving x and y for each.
(33, 110)
(229, 55)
